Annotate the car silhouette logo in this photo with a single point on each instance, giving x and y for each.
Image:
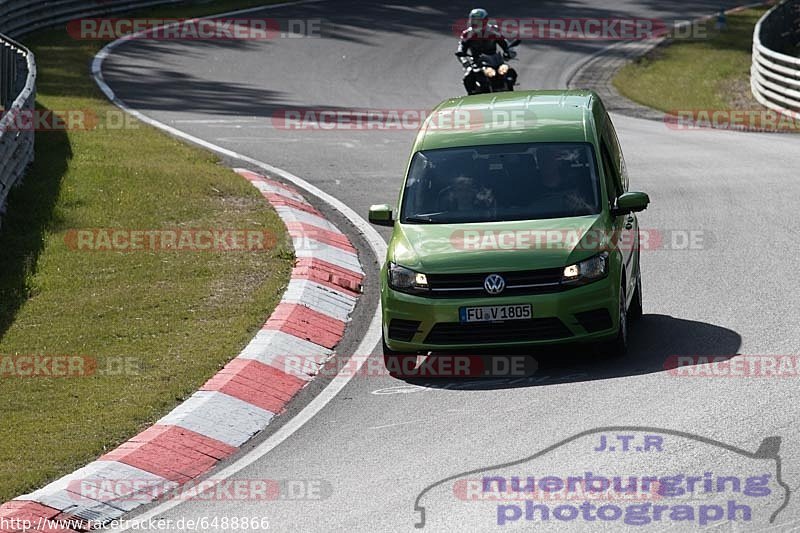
(494, 284)
(482, 489)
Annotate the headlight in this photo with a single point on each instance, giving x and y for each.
(489, 71)
(406, 280)
(503, 69)
(586, 271)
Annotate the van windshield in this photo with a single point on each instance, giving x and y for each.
(502, 182)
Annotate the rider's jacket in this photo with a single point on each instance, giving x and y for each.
(477, 41)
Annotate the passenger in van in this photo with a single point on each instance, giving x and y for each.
(561, 185)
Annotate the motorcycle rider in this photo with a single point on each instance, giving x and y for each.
(479, 38)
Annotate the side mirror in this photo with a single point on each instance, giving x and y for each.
(630, 202)
(381, 215)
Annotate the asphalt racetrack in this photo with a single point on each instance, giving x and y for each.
(381, 442)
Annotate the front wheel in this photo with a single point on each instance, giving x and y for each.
(636, 310)
(398, 364)
(619, 346)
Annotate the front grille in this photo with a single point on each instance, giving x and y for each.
(520, 282)
(537, 329)
(595, 320)
(403, 330)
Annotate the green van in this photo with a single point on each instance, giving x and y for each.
(515, 227)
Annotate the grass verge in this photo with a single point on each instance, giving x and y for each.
(709, 73)
(157, 323)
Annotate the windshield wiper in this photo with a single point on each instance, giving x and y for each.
(420, 220)
(423, 218)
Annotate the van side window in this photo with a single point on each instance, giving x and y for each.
(617, 158)
(610, 172)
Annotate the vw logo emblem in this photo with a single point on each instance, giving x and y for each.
(494, 284)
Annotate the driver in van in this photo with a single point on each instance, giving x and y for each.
(464, 195)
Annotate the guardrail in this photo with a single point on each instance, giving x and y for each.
(17, 96)
(18, 71)
(775, 74)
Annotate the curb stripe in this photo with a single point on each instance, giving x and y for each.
(32, 512)
(271, 186)
(256, 383)
(172, 452)
(296, 215)
(303, 231)
(219, 416)
(67, 497)
(331, 254)
(278, 200)
(308, 324)
(256, 177)
(272, 346)
(324, 272)
(332, 302)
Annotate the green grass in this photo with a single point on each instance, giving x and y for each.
(711, 73)
(178, 316)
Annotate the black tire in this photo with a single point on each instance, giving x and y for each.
(635, 311)
(619, 346)
(396, 362)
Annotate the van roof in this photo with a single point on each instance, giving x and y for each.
(510, 117)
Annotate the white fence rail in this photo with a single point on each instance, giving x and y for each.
(18, 71)
(775, 71)
(17, 96)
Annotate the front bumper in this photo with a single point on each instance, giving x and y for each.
(580, 314)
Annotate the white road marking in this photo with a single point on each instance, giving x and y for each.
(216, 121)
(373, 238)
(400, 389)
(254, 139)
(398, 424)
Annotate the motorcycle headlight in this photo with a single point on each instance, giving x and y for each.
(503, 70)
(406, 280)
(586, 271)
(489, 71)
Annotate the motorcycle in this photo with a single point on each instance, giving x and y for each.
(492, 73)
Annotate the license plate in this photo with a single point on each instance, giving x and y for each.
(495, 313)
